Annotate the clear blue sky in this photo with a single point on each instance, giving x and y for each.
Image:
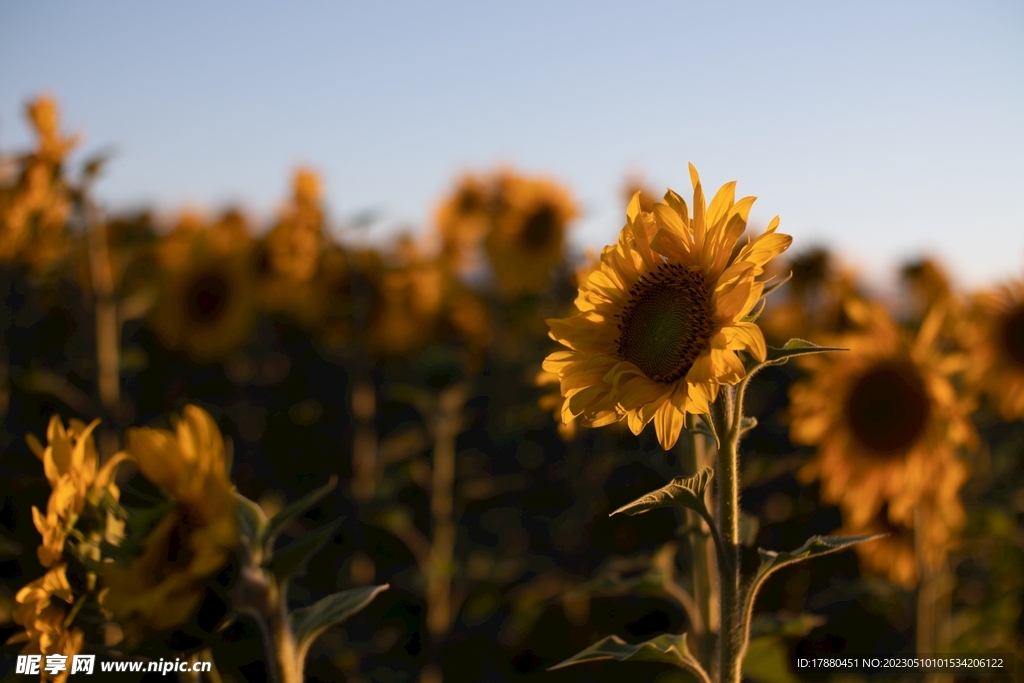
(886, 129)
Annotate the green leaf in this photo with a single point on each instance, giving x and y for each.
(773, 284)
(685, 492)
(666, 648)
(251, 523)
(747, 424)
(291, 560)
(795, 347)
(772, 561)
(289, 512)
(709, 424)
(308, 623)
(756, 312)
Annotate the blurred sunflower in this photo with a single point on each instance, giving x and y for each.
(71, 464)
(43, 607)
(892, 556)
(289, 256)
(206, 303)
(162, 587)
(811, 303)
(661, 321)
(462, 219)
(407, 301)
(993, 331)
(34, 210)
(527, 234)
(927, 285)
(887, 421)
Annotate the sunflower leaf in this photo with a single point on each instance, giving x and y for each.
(291, 560)
(289, 512)
(773, 284)
(308, 623)
(795, 347)
(251, 521)
(667, 648)
(685, 492)
(747, 424)
(756, 312)
(710, 425)
(772, 561)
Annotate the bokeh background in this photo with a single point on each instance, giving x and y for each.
(340, 231)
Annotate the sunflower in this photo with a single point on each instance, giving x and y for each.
(463, 218)
(661, 321)
(811, 303)
(162, 587)
(408, 298)
(527, 233)
(42, 608)
(35, 209)
(993, 330)
(290, 254)
(70, 462)
(886, 419)
(206, 304)
(927, 283)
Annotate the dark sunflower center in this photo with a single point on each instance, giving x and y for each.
(888, 408)
(208, 298)
(665, 324)
(1013, 335)
(471, 201)
(540, 228)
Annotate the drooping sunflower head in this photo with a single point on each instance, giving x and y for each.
(993, 331)
(160, 588)
(527, 232)
(885, 417)
(660, 324)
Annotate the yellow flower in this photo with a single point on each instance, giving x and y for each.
(463, 218)
(527, 232)
(70, 462)
(887, 421)
(34, 210)
(42, 608)
(661, 321)
(927, 282)
(407, 301)
(206, 304)
(162, 588)
(993, 332)
(811, 303)
(290, 254)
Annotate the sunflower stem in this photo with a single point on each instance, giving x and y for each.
(704, 572)
(727, 414)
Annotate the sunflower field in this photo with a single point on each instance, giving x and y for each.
(701, 453)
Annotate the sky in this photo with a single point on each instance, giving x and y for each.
(884, 130)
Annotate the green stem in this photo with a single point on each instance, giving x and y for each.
(703, 623)
(728, 415)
